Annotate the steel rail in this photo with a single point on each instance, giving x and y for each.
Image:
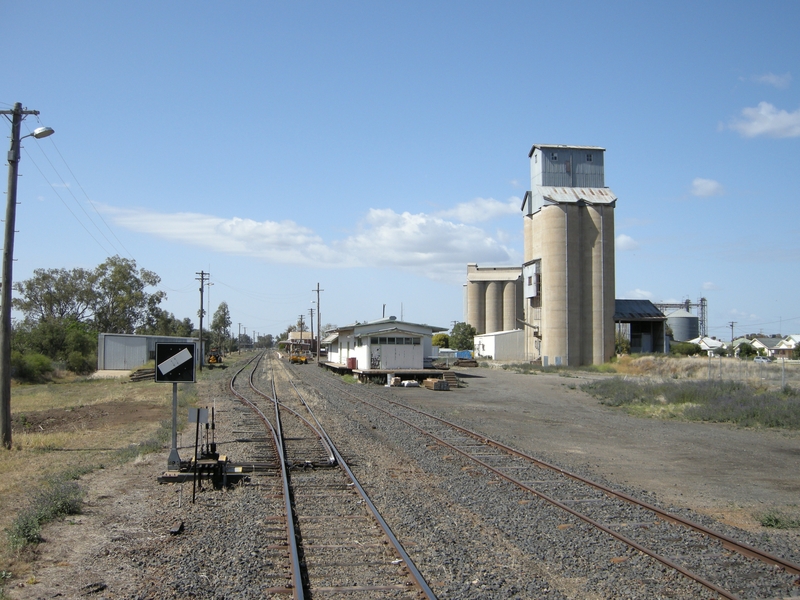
(297, 578)
(416, 575)
(622, 538)
(274, 398)
(728, 542)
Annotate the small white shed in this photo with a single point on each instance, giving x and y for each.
(501, 345)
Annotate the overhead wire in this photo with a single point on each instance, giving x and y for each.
(80, 205)
(89, 200)
(35, 164)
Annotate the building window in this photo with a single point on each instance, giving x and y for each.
(374, 341)
(588, 158)
(554, 156)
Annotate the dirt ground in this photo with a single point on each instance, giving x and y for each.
(94, 416)
(720, 470)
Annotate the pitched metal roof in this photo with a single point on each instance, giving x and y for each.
(564, 146)
(573, 195)
(636, 310)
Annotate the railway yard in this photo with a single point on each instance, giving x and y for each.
(555, 497)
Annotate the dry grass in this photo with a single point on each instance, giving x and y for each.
(660, 366)
(40, 456)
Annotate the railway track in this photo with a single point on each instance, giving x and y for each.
(723, 566)
(335, 540)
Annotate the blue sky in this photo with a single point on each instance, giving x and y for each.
(376, 148)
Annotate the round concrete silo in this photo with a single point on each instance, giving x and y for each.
(603, 283)
(494, 306)
(476, 305)
(510, 305)
(555, 305)
(685, 326)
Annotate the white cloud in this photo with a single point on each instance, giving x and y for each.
(625, 242)
(706, 187)
(482, 209)
(767, 120)
(710, 286)
(778, 81)
(427, 245)
(638, 294)
(435, 247)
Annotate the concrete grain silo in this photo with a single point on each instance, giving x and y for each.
(568, 273)
(493, 298)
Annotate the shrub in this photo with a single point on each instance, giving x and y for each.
(60, 497)
(717, 401)
(778, 520)
(685, 349)
(31, 367)
(81, 364)
(622, 345)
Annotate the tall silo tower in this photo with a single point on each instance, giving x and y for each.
(568, 273)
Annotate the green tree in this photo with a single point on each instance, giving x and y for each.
(442, 340)
(746, 350)
(221, 324)
(161, 322)
(55, 294)
(121, 302)
(462, 336)
(65, 310)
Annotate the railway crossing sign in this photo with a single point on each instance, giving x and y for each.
(175, 362)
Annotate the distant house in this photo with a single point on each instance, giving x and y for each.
(785, 348)
(708, 344)
(384, 344)
(299, 341)
(765, 345)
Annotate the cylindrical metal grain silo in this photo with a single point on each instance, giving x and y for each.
(685, 326)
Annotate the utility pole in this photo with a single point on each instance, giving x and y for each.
(202, 280)
(208, 312)
(239, 340)
(311, 322)
(732, 323)
(318, 325)
(17, 115)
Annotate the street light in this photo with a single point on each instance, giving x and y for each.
(17, 115)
